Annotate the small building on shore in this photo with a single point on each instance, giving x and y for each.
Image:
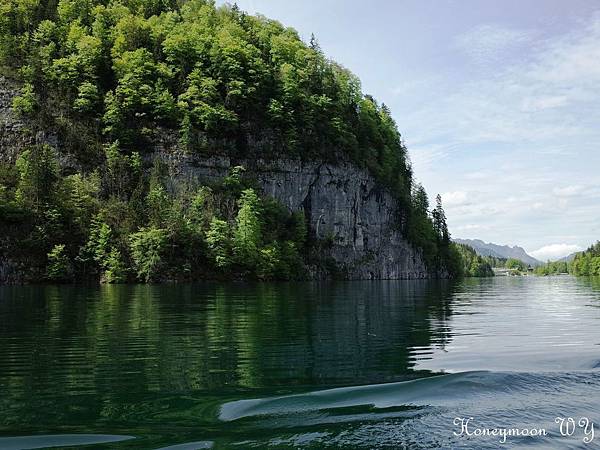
(504, 272)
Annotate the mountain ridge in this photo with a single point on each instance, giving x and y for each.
(499, 251)
(568, 258)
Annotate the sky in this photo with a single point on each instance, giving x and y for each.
(498, 103)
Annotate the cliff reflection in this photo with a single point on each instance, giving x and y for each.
(187, 337)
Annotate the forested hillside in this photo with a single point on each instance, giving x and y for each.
(475, 265)
(587, 263)
(110, 77)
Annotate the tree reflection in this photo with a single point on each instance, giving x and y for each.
(114, 353)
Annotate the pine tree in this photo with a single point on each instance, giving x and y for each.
(314, 43)
(420, 199)
(439, 221)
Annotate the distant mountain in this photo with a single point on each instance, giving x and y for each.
(499, 251)
(568, 258)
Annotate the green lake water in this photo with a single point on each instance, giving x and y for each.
(378, 364)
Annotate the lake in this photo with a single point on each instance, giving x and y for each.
(378, 364)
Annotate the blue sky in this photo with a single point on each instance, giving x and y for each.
(498, 103)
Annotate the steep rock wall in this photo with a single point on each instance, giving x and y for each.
(342, 203)
(13, 135)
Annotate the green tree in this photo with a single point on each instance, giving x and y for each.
(38, 176)
(515, 264)
(420, 228)
(268, 262)
(420, 200)
(247, 233)
(147, 247)
(59, 265)
(87, 99)
(158, 201)
(123, 171)
(25, 104)
(82, 197)
(219, 241)
(99, 241)
(115, 269)
(299, 233)
(439, 221)
(202, 208)
(587, 263)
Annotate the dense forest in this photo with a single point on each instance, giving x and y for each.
(587, 263)
(110, 76)
(552, 268)
(475, 265)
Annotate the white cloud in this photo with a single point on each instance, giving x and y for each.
(533, 104)
(517, 145)
(523, 101)
(538, 205)
(555, 251)
(573, 56)
(485, 43)
(406, 86)
(471, 227)
(423, 157)
(568, 191)
(456, 198)
(478, 175)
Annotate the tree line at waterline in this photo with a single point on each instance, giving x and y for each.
(586, 263)
(63, 226)
(66, 230)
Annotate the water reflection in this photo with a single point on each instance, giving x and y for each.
(162, 362)
(74, 356)
(57, 440)
(186, 337)
(592, 283)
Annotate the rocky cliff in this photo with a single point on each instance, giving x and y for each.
(343, 204)
(12, 130)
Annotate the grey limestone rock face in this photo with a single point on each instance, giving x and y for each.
(342, 203)
(13, 136)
